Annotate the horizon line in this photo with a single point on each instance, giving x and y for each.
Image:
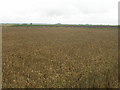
(61, 24)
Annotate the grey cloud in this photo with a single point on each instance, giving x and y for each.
(64, 11)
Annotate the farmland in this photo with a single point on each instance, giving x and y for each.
(60, 57)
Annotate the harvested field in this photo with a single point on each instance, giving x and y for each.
(60, 57)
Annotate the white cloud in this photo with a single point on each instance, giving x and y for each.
(63, 11)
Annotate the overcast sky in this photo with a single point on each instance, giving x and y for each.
(59, 11)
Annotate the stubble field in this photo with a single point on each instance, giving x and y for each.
(60, 57)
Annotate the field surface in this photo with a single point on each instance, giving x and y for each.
(60, 57)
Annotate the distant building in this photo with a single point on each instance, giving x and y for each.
(59, 23)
